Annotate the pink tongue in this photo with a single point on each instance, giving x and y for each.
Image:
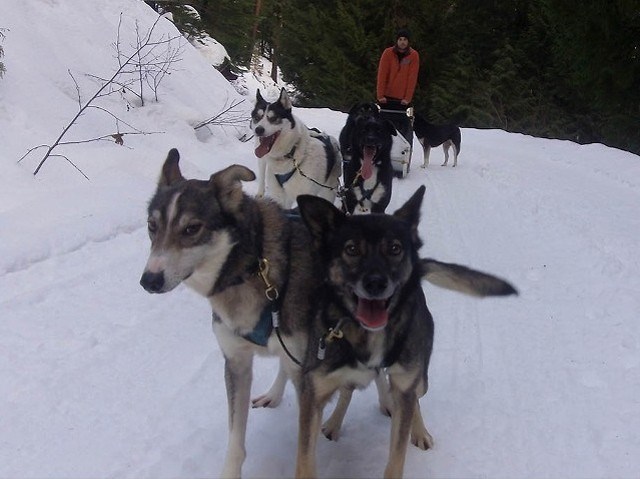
(266, 142)
(372, 313)
(368, 152)
(264, 147)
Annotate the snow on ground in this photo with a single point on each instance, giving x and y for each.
(101, 379)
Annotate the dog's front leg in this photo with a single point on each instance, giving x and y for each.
(401, 420)
(310, 417)
(237, 375)
(262, 169)
(420, 437)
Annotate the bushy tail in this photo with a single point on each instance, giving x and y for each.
(464, 280)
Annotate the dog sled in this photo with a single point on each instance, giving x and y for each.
(402, 118)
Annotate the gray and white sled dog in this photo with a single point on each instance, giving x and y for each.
(271, 293)
(292, 159)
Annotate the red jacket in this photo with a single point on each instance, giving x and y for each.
(397, 79)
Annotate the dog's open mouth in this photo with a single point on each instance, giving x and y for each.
(368, 154)
(266, 142)
(372, 313)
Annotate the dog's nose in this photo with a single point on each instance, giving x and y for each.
(375, 284)
(260, 130)
(152, 282)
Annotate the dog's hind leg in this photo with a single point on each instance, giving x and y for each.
(273, 396)
(384, 396)
(331, 427)
(445, 146)
(426, 149)
(237, 375)
(420, 437)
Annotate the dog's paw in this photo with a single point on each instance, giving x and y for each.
(266, 400)
(422, 439)
(423, 166)
(331, 431)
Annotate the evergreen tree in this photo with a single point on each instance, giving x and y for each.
(543, 67)
(230, 22)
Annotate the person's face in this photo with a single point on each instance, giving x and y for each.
(402, 43)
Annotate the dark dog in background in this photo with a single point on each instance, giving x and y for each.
(365, 142)
(431, 136)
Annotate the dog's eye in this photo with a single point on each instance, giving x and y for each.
(351, 249)
(395, 248)
(152, 225)
(192, 229)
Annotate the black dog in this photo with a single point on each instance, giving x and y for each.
(430, 136)
(372, 317)
(365, 142)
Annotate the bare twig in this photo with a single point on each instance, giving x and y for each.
(126, 64)
(227, 116)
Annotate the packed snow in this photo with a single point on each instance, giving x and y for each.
(100, 379)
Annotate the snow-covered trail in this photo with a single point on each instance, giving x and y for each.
(520, 387)
(67, 397)
(558, 353)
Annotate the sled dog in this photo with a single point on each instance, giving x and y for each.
(266, 286)
(293, 159)
(368, 173)
(430, 136)
(373, 317)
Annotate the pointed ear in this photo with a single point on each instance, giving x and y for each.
(171, 170)
(285, 101)
(227, 183)
(259, 98)
(320, 217)
(410, 212)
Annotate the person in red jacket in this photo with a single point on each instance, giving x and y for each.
(397, 79)
(398, 72)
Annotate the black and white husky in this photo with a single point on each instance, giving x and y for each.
(293, 159)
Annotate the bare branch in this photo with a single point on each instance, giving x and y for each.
(227, 116)
(143, 62)
(30, 150)
(73, 164)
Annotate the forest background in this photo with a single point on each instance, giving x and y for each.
(548, 68)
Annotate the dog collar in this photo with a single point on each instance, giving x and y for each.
(262, 331)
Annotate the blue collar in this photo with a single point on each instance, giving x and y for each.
(262, 331)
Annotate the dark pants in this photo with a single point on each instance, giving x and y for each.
(397, 114)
